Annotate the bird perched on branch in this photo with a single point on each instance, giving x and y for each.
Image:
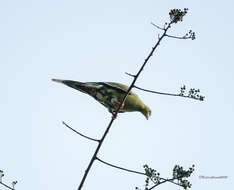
(110, 95)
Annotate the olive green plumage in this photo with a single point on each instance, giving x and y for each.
(110, 95)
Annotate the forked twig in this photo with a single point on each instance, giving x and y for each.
(171, 180)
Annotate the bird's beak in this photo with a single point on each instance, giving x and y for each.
(148, 114)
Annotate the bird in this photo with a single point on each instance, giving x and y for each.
(110, 95)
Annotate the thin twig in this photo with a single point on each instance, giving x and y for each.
(178, 37)
(7, 186)
(121, 168)
(170, 180)
(120, 105)
(157, 26)
(165, 180)
(131, 75)
(80, 133)
(163, 93)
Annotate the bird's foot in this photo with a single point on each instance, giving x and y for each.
(121, 106)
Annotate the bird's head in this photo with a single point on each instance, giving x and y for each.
(146, 112)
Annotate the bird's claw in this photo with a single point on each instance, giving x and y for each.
(119, 104)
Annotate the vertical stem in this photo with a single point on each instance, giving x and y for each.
(117, 111)
(95, 154)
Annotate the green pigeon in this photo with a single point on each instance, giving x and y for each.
(110, 94)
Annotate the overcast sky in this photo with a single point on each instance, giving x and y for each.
(100, 41)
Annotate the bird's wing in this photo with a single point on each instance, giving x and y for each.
(120, 88)
(108, 94)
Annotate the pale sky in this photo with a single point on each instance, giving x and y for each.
(100, 41)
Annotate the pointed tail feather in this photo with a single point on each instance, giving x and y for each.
(58, 80)
(74, 84)
(70, 83)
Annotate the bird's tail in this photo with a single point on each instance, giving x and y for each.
(71, 83)
(57, 80)
(74, 84)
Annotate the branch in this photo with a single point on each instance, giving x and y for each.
(79, 133)
(179, 174)
(165, 180)
(141, 173)
(6, 186)
(195, 97)
(169, 180)
(120, 105)
(131, 75)
(178, 37)
(176, 15)
(13, 183)
(189, 35)
(181, 38)
(156, 92)
(157, 26)
(121, 168)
